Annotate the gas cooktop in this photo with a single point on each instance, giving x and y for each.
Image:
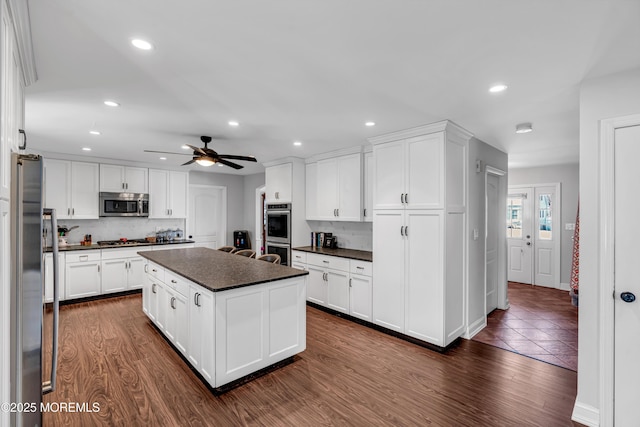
(126, 242)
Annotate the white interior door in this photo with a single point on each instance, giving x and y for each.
(519, 230)
(545, 234)
(627, 254)
(207, 222)
(493, 222)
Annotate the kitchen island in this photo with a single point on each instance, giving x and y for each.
(231, 317)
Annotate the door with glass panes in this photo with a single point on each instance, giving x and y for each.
(532, 235)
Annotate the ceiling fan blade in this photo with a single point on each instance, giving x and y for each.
(230, 164)
(196, 149)
(231, 156)
(188, 163)
(167, 152)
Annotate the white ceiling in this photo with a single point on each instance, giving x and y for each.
(315, 71)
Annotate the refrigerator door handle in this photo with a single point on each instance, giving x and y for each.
(49, 386)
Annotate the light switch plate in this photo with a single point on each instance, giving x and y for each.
(570, 226)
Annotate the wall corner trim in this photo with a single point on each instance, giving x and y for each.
(475, 327)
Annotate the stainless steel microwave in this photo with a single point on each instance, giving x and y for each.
(124, 204)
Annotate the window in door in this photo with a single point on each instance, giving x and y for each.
(544, 217)
(514, 216)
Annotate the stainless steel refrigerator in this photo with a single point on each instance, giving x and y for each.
(27, 290)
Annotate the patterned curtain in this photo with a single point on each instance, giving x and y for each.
(575, 266)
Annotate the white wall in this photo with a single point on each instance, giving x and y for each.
(567, 176)
(600, 98)
(251, 183)
(489, 156)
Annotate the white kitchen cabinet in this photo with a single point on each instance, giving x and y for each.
(162, 303)
(316, 285)
(122, 269)
(118, 179)
(360, 284)
(173, 246)
(48, 276)
(176, 326)
(201, 345)
(278, 185)
(82, 274)
(419, 231)
(168, 194)
(338, 194)
(152, 297)
(328, 283)
(410, 173)
(311, 183)
(71, 188)
(367, 197)
(338, 290)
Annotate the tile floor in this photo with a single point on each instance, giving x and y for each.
(541, 323)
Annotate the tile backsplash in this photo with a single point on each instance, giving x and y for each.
(114, 228)
(351, 235)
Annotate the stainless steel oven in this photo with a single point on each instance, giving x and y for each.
(282, 249)
(124, 204)
(279, 223)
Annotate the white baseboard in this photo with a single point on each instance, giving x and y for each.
(475, 327)
(564, 287)
(585, 414)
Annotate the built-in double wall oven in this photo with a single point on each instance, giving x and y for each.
(279, 231)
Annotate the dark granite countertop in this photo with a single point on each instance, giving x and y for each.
(218, 270)
(67, 248)
(339, 252)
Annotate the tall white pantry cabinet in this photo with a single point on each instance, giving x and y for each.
(419, 220)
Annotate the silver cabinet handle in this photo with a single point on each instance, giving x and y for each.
(365, 212)
(126, 185)
(325, 261)
(337, 212)
(146, 268)
(406, 230)
(98, 268)
(401, 197)
(153, 288)
(172, 303)
(154, 270)
(73, 211)
(195, 299)
(350, 282)
(173, 281)
(68, 211)
(406, 198)
(401, 230)
(360, 268)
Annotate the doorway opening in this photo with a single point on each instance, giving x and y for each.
(260, 227)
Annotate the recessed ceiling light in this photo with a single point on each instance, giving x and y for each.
(297, 143)
(86, 149)
(163, 158)
(111, 103)
(142, 44)
(524, 128)
(185, 147)
(498, 88)
(233, 123)
(370, 124)
(94, 132)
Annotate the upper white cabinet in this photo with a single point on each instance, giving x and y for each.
(71, 188)
(367, 197)
(116, 179)
(168, 194)
(278, 183)
(409, 173)
(311, 173)
(419, 218)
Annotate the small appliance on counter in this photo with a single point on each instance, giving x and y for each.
(241, 239)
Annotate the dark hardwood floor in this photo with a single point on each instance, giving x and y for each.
(349, 375)
(541, 323)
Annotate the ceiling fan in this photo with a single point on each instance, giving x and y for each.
(205, 156)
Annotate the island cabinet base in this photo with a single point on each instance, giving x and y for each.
(234, 334)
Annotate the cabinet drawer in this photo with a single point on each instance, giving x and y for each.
(156, 271)
(83, 256)
(299, 256)
(176, 282)
(119, 253)
(361, 267)
(328, 262)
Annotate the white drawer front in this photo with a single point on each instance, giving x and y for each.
(326, 261)
(120, 253)
(176, 282)
(299, 257)
(361, 267)
(83, 256)
(156, 271)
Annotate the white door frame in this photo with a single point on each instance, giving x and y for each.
(258, 226)
(557, 225)
(503, 298)
(606, 257)
(223, 219)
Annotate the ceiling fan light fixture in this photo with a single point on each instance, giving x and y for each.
(205, 161)
(524, 128)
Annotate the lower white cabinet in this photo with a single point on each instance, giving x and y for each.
(122, 269)
(201, 344)
(341, 284)
(176, 321)
(48, 276)
(82, 274)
